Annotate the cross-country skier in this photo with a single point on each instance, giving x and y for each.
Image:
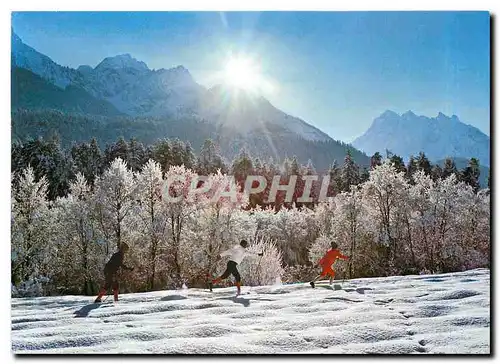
(111, 270)
(236, 255)
(327, 261)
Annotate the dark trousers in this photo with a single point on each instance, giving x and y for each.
(231, 269)
(111, 280)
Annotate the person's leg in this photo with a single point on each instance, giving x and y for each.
(224, 275)
(323, 273)
(115, 289)
(237, 277)
(332, 276)
(108, 281)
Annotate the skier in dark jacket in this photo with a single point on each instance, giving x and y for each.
(111, 270)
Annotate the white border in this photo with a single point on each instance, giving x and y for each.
(48, 5)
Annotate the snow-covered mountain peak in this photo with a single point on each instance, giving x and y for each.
(388, 114)
(122, 61)
(180, 69)
(441, 116)
(439, 137)
(24, 56)
(409, 114)
(177, 75)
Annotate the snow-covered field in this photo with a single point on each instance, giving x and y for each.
(446, 313)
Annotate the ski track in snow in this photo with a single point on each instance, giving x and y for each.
(434, 314)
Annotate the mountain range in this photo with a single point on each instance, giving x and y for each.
(122, 96)
(125, 93)
(135, 90)
(439, 137)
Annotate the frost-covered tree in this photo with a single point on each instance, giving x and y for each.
(382, 194)
(115, 199)
(30, 227)
(76, 256)
(349, 224)
(214, 226)
(179, 206)
(48, 160)
(323, 216)
(294, 231)
(265, 270)
(152, 222)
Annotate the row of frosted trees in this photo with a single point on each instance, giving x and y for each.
(387, 224)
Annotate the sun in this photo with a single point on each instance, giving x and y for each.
(242, 72)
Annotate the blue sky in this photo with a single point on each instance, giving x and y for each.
(335, 70)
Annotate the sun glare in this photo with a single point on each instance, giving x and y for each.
(242, 73)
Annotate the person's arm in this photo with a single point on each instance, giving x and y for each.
(344, 257)
(226, 252)
(247, 252)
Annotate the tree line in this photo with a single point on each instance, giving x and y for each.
(72, 208)
(60, 165)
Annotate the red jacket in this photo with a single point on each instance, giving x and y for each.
(330, 257)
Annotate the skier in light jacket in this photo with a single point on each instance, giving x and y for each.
(236, 255)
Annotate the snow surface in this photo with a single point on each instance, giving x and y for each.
(446, 313)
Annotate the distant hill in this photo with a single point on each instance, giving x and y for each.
(272, 141)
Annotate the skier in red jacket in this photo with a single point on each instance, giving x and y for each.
(327, 261)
